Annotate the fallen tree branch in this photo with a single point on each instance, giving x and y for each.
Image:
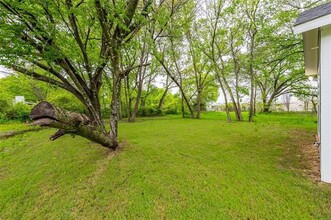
(47, 115)
(10, 134)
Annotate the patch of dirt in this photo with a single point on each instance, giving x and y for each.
(83, 191)
(303, 155)
(311, 155)
(102, 166)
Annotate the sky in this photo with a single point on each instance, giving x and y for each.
(4, 72)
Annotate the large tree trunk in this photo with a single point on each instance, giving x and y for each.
(46, 114)
(198, 105)
(115, 107)
(267, 106)
(116, 92)
(314, 105)
(138, 98)
(251, 102)
(255, 91)
(252, 77)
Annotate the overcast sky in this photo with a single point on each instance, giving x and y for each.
(3, 72)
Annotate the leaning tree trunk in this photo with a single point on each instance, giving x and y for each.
(235, 106)
(267, 106)
(161, 101)
(46, 114)
(228, 116)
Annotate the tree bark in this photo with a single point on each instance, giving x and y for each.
(136, 104)
(235, 105)
(115, 106)
(236, 69)
(140, 81)
(228, 116)
(251, 102)
(314, 105)
(266, 107)
(161, 101)
(127, 97)
(46, 114)
(198, 105)
(116, 92)
(141, 77)
(183, 107)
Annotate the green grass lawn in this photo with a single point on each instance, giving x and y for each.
(168, 168)
(14, 126)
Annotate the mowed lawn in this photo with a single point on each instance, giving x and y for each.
(167, 168)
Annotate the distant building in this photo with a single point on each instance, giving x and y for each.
(19, 99)
(294, 105)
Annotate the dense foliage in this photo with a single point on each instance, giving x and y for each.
(148, 58)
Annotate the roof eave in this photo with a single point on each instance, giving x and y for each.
(313, 24)
(311, 51)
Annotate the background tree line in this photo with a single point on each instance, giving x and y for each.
(144, 58)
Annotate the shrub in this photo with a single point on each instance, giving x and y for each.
(171, 110)
(4, 105)
(66, 101)
(148, 111)
(19, 111)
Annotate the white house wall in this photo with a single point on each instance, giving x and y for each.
(325, 89)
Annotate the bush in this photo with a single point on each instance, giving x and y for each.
(4, 105)
(19, 111)
(148, 111)
(66, 101)
(106, 112)
(171, 110)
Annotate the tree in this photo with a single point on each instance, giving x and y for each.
(215, 47)
(20, 85)
(68, 44)
(309, 94)
(278, 57)
(286, 98)
(201, 67)
(167, 41)
(225, 34)
(252, 8)
(140, 78)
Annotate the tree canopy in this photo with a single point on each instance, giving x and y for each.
(130, 57)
